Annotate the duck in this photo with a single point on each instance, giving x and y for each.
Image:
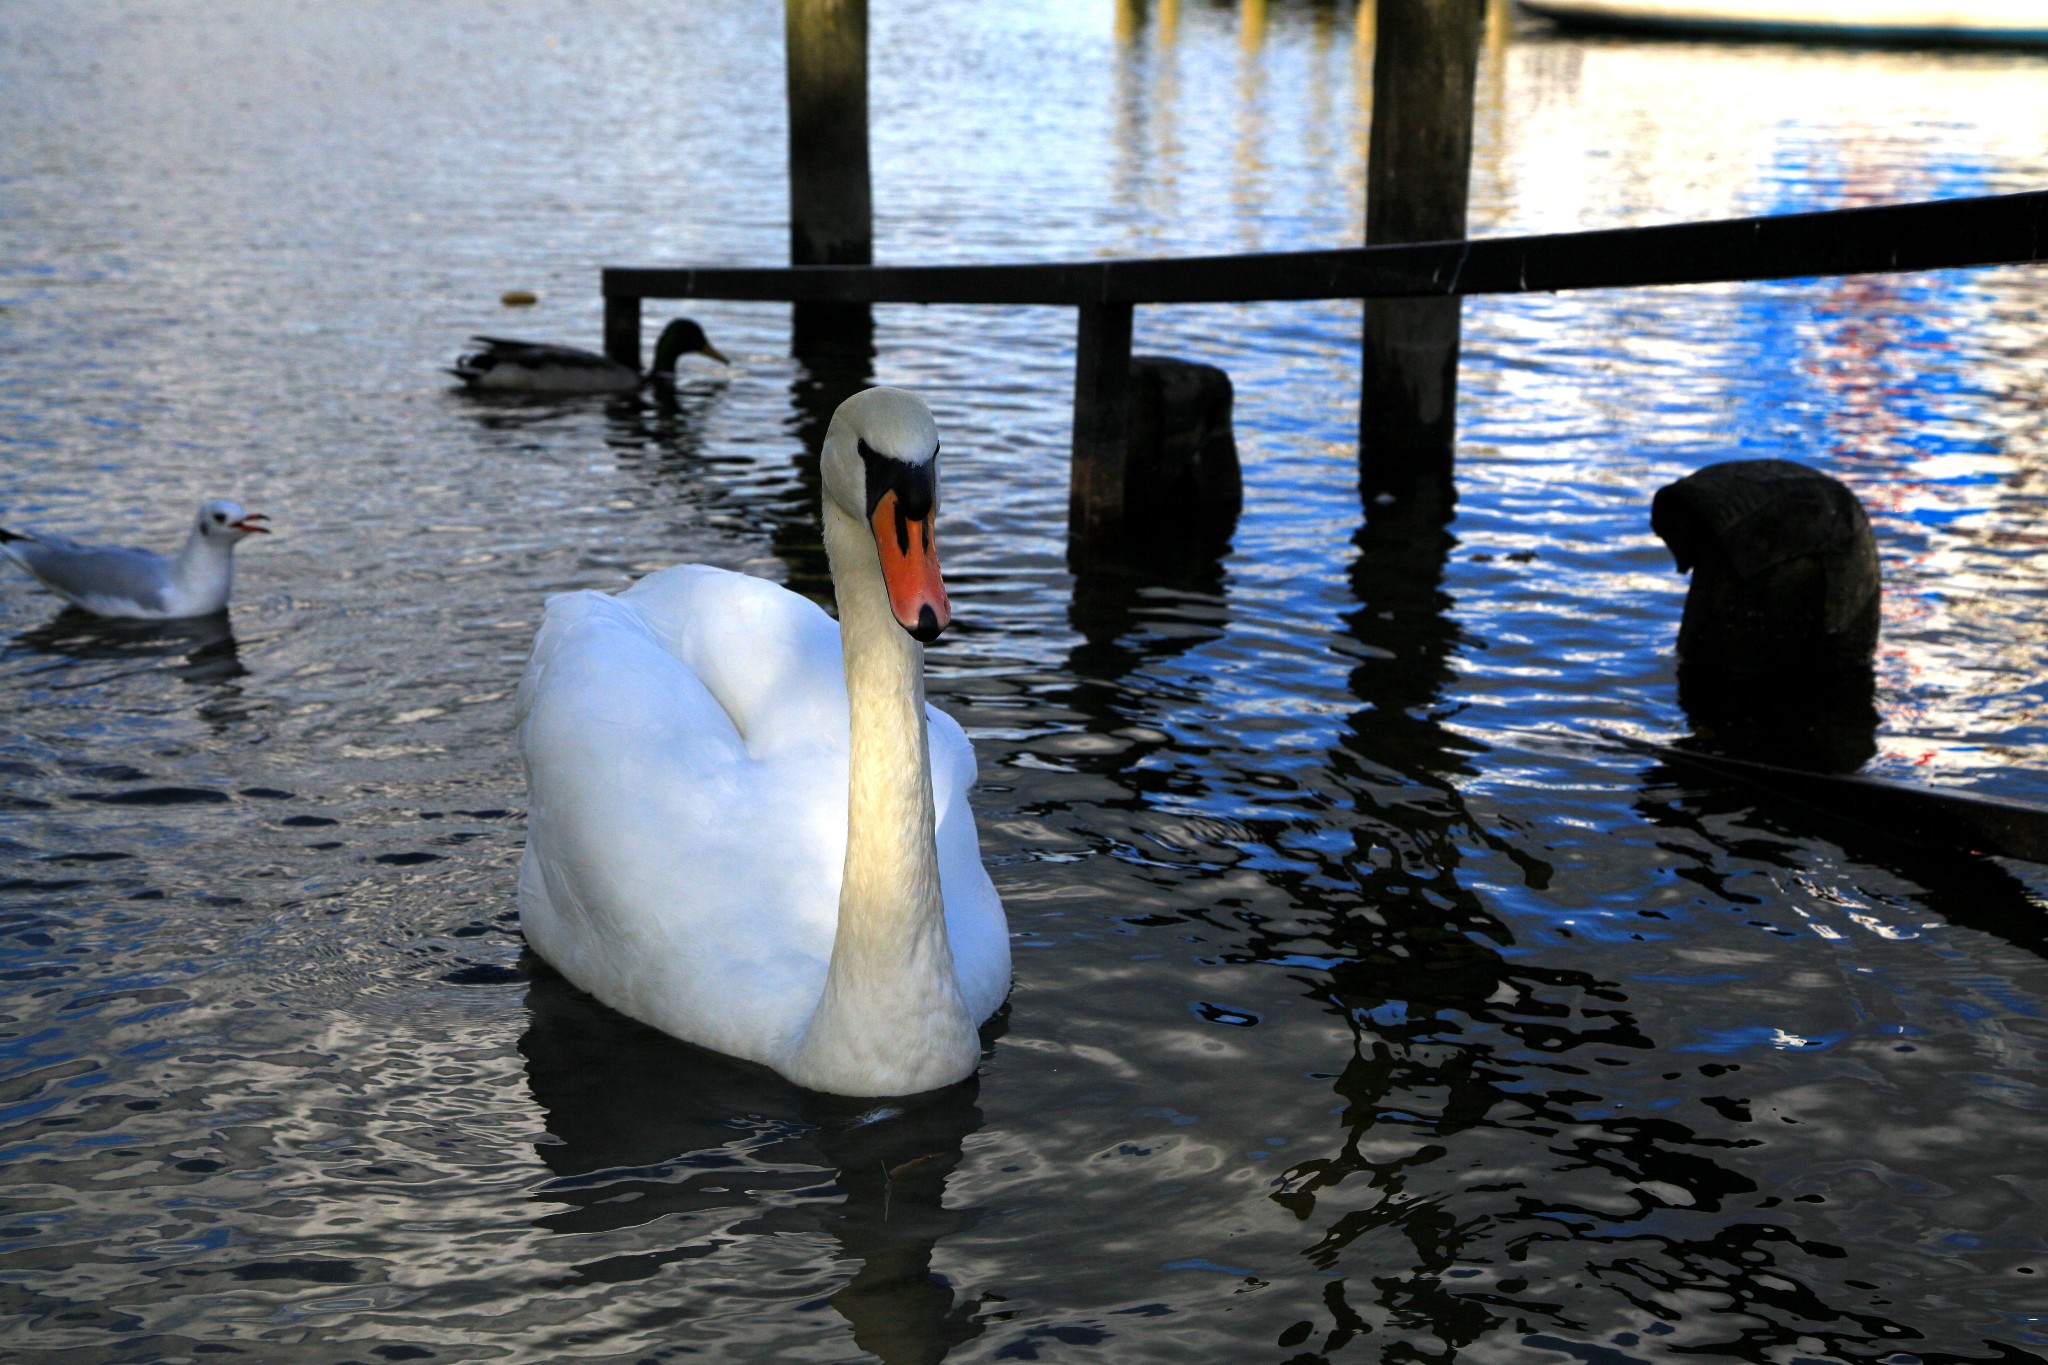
(508, 366)
(746, 826)
(126, 583)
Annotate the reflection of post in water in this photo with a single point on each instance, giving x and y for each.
(1397, 761)
(649, 1129)
(1414, 950)
(1115, 603)
(1446, 1026)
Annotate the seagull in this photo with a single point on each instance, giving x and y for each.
(507, 366)
(141, 585)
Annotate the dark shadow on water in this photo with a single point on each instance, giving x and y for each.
(646, 1130)
(665, 421)
(205, 644)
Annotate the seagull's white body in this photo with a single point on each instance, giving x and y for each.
(135, 584)
(746, 827)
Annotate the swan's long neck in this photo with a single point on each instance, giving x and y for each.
(891, 1020)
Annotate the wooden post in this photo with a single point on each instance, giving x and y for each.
(1425, 57)
(622, 329)
(831, 214)
(1102, 420)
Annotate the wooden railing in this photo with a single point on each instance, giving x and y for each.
(1996, 230)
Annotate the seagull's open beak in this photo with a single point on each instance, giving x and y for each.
(708, 349)
(910, 569)
(248, 524)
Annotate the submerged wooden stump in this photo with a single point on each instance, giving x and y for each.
(1180, 473)
(1155, 459)
(1784, 568)
(1781, 620)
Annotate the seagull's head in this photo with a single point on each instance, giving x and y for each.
(225, 521)
(881, 467)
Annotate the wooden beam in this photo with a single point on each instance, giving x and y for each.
(1102, 418)
(622, 329)
(1948, 234)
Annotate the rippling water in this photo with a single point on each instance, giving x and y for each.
(1361, 1013)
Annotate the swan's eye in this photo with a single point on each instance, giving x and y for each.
(220, 516)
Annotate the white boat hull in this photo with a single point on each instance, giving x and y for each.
(1929, 21)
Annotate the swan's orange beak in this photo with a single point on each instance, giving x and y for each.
(910, 568)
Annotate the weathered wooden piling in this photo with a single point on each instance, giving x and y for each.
(622, 329)
(1155, 458)
(1425, 64)
(831, 209)
(1784, 569)
(1102, 423)
(1182, 485)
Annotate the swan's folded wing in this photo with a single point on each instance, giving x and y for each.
(974, 913)
(657, 840)
(769, 656)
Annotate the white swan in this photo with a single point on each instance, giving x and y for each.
(745, 826)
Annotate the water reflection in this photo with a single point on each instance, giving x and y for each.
(1463, 1045)
(696, 1149)
(206, 652)
(1129, 615)
(1826, 724)
(665, 428)
(1961, 886)
(797, 534)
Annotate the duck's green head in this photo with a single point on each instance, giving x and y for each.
(680, 338)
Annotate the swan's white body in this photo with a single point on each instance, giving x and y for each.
(730, 843)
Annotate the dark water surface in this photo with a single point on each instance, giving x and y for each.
(1361, 1012)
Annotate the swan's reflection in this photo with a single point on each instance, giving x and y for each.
(646, 1127)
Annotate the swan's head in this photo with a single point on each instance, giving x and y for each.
(227, 521)
(881, 467)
